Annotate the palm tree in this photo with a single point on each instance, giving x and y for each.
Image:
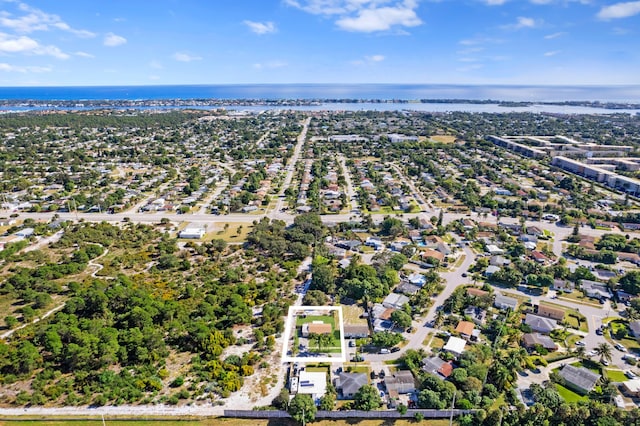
(439, 319)
(604, 350)
(580, 352)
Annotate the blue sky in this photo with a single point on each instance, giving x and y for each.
(135, 42)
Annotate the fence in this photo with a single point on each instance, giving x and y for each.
(349, 414)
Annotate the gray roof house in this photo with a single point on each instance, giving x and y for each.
(437, 366)
(634, 327)
(540, 324)
(505, 302)
(563, 285)
(358, 331)
(349, 383)
(595, 289)
(578, 378)
(400, 382)
(530, 340)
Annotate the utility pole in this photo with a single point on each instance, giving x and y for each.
(453, 401)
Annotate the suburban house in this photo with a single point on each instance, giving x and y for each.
(437, 366)
(348, 384)
(499, 261)
(395, 301)
(505, 302)
(493, 249)
(432, 254)
(632, 387)
(356, 331)
(400, 382)
(634, 327)
(540, 324)
(579, 378)
(491, 269)
(595, 289)
(477, 315)
(531, 340)
(563, 285)
(465, 328)
(476, 292)
(455, 345)
(417, 279)
(191, 233)
(406, 287)
(550, 312)
(316, 328)
(312, 383)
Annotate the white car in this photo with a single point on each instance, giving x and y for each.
(580, 343)
(591, 353)
(620, 347)
(630, 374)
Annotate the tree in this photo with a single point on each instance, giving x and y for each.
(327, 401)
(302, 408)
(367, 398)
(401, 318)
(604, 351)
(630, 282)
(281, 402)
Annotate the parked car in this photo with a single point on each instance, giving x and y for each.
(591, 353)
(385, 351)
(395, 349)
(619, 347)
(630, 374)
(580, 343)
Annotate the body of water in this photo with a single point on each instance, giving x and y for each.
(329, 91)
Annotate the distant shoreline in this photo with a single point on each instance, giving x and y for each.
(124, 103)
(610, 97)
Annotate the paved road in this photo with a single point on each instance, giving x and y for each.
(291, 168)
(351, 192)
(451, 280)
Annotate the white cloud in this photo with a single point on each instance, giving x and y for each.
(620, 10)
(376, 58)
(270, 65)
(261, 28)
(554, 35)
(155, 65)
(27, 45)
(28, 69)
(495, 2)
(84, 54)
(113, 40)
(37, 20)
(521, 23)
(364, 15)
(185, 57)
(553, 53)
(154, 77)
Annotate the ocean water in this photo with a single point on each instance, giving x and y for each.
(626, 94)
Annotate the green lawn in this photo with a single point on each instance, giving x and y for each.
(568, 395)
(327, 319)
(615, 375)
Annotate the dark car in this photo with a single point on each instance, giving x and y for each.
(395, 349)
(464, 275)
